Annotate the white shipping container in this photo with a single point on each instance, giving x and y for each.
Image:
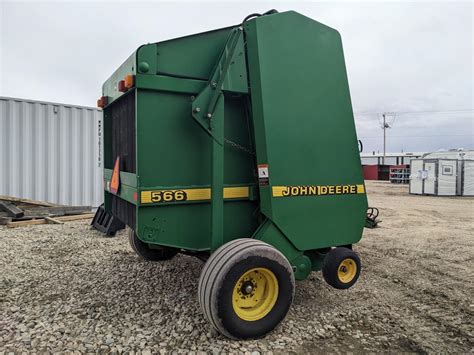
(468, 178)
(51, 152)
(442, 177)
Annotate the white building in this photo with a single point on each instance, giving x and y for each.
(390, 158)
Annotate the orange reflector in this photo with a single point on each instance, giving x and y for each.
(115, 182)
(135, 196)
(121, 86)
(128, 81)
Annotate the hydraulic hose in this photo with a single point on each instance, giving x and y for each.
(269, 12)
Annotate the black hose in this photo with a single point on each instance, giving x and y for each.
(269, 12)
(250, 16)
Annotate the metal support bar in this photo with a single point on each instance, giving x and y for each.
(205, 104)
(217, 184)
(223, 67)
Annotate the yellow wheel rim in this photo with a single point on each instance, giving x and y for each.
(255, 294)
(347, 270)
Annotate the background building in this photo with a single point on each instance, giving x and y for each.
(50, 152)
(390, 158)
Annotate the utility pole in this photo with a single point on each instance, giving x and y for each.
(384, 138)
(385, 125)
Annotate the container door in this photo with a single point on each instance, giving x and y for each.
(416, 177)
(447, 177)
(468, 178)
(430, 181)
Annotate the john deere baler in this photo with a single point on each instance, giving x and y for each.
(238, 146)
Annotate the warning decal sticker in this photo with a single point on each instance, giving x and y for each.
(263, 175)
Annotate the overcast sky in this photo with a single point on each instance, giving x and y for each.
(401, 56)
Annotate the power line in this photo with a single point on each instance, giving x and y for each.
(435, 112)
(431, 136)
(413, 112)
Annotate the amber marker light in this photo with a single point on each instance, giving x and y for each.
(129, 81)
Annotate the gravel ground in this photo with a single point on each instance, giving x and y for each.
(67, 288)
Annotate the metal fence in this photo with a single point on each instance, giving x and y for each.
(50, 152)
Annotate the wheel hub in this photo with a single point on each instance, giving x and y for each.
(247, 288)
(347, 270)
(255, 294)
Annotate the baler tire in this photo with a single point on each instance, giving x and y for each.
(239, 263)
(341, 268)
(145, 252)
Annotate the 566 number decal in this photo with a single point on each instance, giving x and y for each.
(168, 196)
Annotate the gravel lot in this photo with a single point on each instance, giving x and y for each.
(67, 288)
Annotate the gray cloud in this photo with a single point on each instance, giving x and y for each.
(400, 56)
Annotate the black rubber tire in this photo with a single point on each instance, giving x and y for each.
(222, 271)
(145, 252)
(332, 263)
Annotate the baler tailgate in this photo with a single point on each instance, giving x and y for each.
(303, 117)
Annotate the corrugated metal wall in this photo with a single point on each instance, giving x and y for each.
(50, 152)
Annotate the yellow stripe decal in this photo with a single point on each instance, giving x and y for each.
(317, 190)
(236, 192)
(145, 197)
(199, 194)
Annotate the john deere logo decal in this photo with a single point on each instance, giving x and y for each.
(317, 190)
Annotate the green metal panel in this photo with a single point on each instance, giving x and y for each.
(173, 150)
(169, 83)
(192, 56)
(188, 226)
(304, 128)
